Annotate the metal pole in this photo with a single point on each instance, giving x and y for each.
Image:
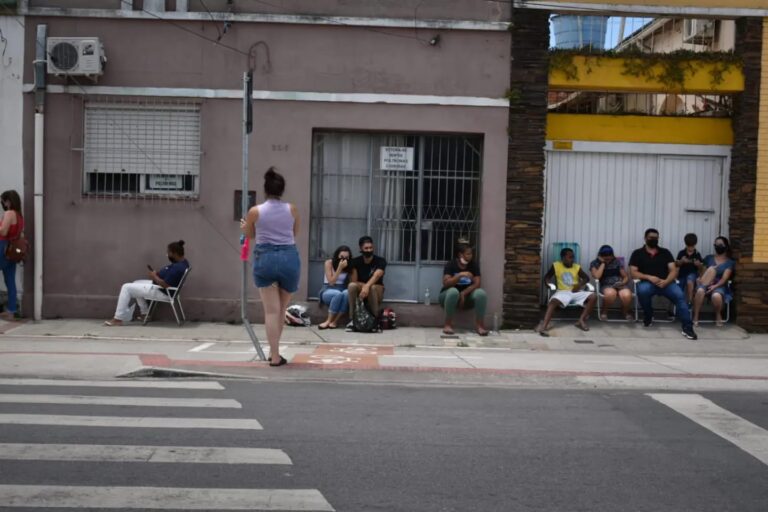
(247, 128)
(40, 70)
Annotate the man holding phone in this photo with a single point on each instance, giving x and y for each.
(613, 278)
(143, 290)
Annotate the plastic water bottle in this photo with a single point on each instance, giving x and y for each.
(244, 245)
(427, 302)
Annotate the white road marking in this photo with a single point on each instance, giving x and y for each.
(127, 453)
(162, 498)
(674, 383)
(608, 361)
(202, 347)
(114, 383)
(142, 401)
(431, 357)
(127, 422)
(747, 436)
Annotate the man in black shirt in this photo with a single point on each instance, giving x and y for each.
(655, 267)
(366, 278)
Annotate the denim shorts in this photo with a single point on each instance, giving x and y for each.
(276, 264)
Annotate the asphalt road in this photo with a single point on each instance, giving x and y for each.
(360, 447)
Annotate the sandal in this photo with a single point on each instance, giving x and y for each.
(580, 325)
(323, 327)
(482, 332)
(279, 363)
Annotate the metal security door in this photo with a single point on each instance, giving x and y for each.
(418, 214)
(689, 198)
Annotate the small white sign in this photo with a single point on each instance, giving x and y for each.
(158, 182)
(396, 159)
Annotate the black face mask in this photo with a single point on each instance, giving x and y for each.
(720, 249)
(170, 258)
(5, 207)
(367, 254)
(652, 243)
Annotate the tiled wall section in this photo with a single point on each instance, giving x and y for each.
(750, 132)
(525, 167)
(761, 193)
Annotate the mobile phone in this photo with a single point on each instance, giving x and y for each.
(150, 268)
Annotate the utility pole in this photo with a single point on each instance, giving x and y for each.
(247, 129)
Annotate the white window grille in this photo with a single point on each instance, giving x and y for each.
(141, 149)
(415, 212)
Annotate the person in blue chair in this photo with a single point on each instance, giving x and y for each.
(150, 289)
(570, 283)
(656, 270)
(714, 281)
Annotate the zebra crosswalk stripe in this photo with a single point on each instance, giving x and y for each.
(140, 401)
(129, 453)
(128, 421)
(150, 384)
(734, 429)
(162, 498)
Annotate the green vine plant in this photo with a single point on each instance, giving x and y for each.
(670, 69)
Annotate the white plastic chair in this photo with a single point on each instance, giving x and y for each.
(551, 289)
(601, 296)
(172, 298)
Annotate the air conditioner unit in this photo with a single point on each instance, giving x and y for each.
(83, 56)
(698, 31)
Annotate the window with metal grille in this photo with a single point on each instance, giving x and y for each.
(141, 149)
(416, 195)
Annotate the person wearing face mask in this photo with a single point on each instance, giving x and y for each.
(11, 225)
(714, 281)
(153, 288)
(334, 292)
(461, 288)
(655, 267)
(366, 279)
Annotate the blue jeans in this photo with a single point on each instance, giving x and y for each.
(647, 290)
(336, 298)
(276, 264)
(9, 274)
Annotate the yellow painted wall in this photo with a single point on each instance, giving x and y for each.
(761, 196)
(644, 129)
(608, 74)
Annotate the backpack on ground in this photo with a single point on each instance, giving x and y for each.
(388, 319)
(297, 316)
(363, 320)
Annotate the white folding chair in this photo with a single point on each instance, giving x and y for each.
(172, 298)
(727, 317)
(601, 296)
(551, 289)
(672, 312)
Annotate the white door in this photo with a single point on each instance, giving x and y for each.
(689, 195)
(596, 198)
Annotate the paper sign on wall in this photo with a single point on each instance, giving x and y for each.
(395, 158)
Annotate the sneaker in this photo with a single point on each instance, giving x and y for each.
(688, 333)
(647, 322)
(350, 327)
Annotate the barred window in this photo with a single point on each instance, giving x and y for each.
(135, 149)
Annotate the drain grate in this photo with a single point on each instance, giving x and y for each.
(584, 342)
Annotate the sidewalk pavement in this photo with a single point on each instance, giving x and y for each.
(613, 355)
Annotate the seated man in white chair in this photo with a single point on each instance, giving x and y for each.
(153, 288)
(570, 284)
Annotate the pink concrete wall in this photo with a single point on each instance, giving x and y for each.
(94, 245)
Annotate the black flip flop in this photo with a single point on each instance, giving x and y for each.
(281, 363)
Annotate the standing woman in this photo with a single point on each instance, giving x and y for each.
(11, 226)
(276, 264)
